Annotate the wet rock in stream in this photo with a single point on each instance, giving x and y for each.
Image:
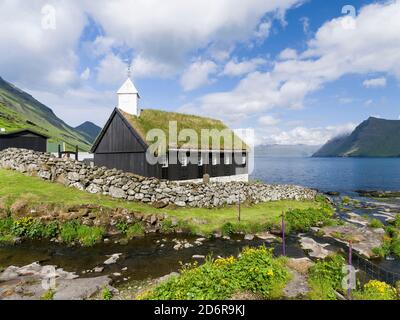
(32, 282)
(317, 250)
(364, 239)
(113, 258)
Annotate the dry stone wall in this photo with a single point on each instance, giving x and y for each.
(160, 193)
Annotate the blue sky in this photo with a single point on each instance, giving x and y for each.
(295, 71)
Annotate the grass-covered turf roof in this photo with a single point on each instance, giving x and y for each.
(210, 132)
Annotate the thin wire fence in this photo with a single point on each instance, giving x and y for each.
(372, 271)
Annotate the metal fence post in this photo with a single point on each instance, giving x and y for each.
(350, 264)
(239, 209)
(283, 234)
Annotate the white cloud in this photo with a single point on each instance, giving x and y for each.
(263, 30)
(235, 68)
(35, 56)
(346, 100)
(288, 54)
(168, 30)
(111, 70)
(101, 46)
(197, 74)
(145, 67)
(160, 34)
(77, 105)
(375, 83)
(369, 102)
(162, 31)
(85, 75)
(304, 135)
(333, 52)
(305, 21)
(268, 120)
(220, 54)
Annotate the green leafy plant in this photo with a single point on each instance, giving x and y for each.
(346, 200)
(88, 236)
(22, 226)
(122, 226)
(255, 270)
(135, 230)
(375, 223)
(383, 250)
(325, 277)
(68, 231)
(396, 221)
(391, 242)
(48, 295)
(106, 294)
(6, 226)
(376, 290)
(172, 226)
(74, 231)
(320, 198)
(50, 230)
(303, 219)
(29, 227)
(228, 229)
(395, 247)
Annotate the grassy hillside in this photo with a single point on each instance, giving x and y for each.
(372, 138)
(20, 110)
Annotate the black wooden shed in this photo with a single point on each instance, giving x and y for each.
(24, 139)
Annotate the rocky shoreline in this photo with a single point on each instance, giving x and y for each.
(378, 194)
(159, 193)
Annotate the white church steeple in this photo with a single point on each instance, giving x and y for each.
(128, 97)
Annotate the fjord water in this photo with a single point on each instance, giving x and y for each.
(330, 174)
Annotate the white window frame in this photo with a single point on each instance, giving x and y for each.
(244, 159)
(164, 161)
(183, 159)
(214, 159)
(227, 158)
(200, 160)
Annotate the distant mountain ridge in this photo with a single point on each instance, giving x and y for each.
(89, 129)
(19, 110)
(374, 137)
(280, 150)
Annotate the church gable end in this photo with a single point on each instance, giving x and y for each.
(119, 137)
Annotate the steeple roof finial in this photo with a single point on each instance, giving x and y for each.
(129, 70)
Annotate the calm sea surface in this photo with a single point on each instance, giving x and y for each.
(330, 174)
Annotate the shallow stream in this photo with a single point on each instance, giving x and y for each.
(154, 255)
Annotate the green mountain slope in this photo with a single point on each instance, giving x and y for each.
(372, 138)
(20, 110)
(89, 130)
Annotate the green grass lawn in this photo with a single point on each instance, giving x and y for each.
(16, 186)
